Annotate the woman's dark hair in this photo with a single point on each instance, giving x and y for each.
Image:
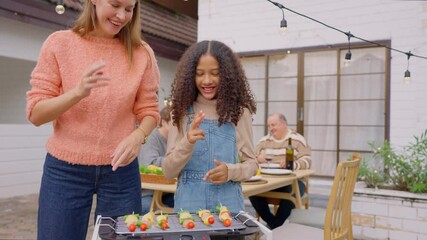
(234, 93)
(165, 114)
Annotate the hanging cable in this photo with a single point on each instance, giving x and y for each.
(336, 29)
(348, 54)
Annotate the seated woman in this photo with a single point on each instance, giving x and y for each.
(152, 153)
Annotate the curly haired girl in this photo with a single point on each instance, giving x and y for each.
(210, 145)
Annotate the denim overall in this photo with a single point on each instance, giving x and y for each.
(192, 192)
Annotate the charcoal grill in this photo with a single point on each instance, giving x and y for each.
(243, 225)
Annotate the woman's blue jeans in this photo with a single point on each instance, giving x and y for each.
(66, 194)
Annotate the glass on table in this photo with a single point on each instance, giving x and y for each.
(268, 155)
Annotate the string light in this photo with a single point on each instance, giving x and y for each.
(60, 9)
(167, 102)
(407, 75)
(349, 35)
(348, 54)
(283, 23)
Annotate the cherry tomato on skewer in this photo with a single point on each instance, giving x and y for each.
(164, 225)
(227, 222)
(211, 220)
(143, 227)
(190, 225)
(132, 227)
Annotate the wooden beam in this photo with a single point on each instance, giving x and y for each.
(42, 13)
(164, 48)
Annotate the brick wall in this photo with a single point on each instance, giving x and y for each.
(391, 215)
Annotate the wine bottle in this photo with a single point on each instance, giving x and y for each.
(290, 155)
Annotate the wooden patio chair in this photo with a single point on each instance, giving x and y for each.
(336, 219)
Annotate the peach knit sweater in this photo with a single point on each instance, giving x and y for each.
(89, 132)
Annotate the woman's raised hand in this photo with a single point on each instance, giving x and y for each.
(194, 133)
(92, 78)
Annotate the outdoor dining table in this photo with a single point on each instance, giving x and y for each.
(263, 188)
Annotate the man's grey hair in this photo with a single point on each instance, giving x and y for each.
(280, 115)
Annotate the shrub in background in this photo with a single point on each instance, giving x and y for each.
(402, 170)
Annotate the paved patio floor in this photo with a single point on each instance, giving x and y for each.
(18, 218)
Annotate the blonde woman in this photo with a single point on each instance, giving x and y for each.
(96, 83)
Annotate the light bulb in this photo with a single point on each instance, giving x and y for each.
(347, 63)
(60, 9)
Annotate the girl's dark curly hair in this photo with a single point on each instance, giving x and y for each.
(234, 93)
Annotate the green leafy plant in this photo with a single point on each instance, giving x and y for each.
(405, 170)
(370, 175)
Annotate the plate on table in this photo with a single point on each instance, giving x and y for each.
(271, 165)
(254, 178)
(276, 171)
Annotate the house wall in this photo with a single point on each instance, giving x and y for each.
(22, 148)
(20, 40)
(253, 25)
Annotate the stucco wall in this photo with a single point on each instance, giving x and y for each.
(252, 25)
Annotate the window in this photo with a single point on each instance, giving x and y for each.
(338, 106)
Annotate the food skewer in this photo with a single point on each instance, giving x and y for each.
(147, 221)
(131, 221)
(206, 216)
(224, 215)
(185, 219)
(162, 221)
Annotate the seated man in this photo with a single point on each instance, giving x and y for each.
(152, 153)
(275, 143)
